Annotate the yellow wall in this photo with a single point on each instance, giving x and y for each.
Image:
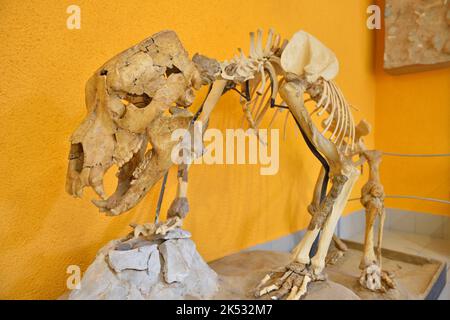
(413, 116)
(44, 68)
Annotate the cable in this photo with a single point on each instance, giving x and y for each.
(410, 197)
(431, 155)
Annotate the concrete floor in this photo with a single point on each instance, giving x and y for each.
(417, 244)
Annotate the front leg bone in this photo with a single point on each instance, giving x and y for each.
(295, 281)
(318, 261)
(372, 198)
(292, 94)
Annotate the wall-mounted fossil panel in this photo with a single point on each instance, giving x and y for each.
(417, 35)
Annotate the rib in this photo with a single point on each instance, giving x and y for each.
(330, 119)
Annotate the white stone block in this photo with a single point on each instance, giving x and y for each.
(135, 259)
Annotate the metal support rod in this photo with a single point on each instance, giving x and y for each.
(323, 192)
(161, 196)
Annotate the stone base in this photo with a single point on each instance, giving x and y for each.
(415, 277)
(168, 267)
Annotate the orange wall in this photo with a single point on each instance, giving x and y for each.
(412, 115)
(44, 68)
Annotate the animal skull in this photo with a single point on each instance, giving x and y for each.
(127, 100)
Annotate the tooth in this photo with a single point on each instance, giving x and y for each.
(77, 188)
(138, 146)
(148, 168)
(84, 176)
(101, 204)
(141, 167)
(71, 188)
(96, 181)
(100, 190)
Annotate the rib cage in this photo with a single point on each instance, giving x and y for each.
(339, 125)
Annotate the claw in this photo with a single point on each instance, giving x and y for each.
(303, 288)
(286, 275)
(99, 203)
(275, 284)
(387, 279)
(170, 224)
(150, 230)
(287, 283)
(265, 280)
(292, 282)
(268, 289)
(293, 293)
(146, 230)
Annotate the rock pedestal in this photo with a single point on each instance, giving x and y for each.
(167, 267)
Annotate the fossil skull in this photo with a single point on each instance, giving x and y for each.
(135, 99)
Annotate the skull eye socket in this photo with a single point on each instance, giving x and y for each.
(172, 70)
(140, 101)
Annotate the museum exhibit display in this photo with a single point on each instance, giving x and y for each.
(126, 100)
(178, 184)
